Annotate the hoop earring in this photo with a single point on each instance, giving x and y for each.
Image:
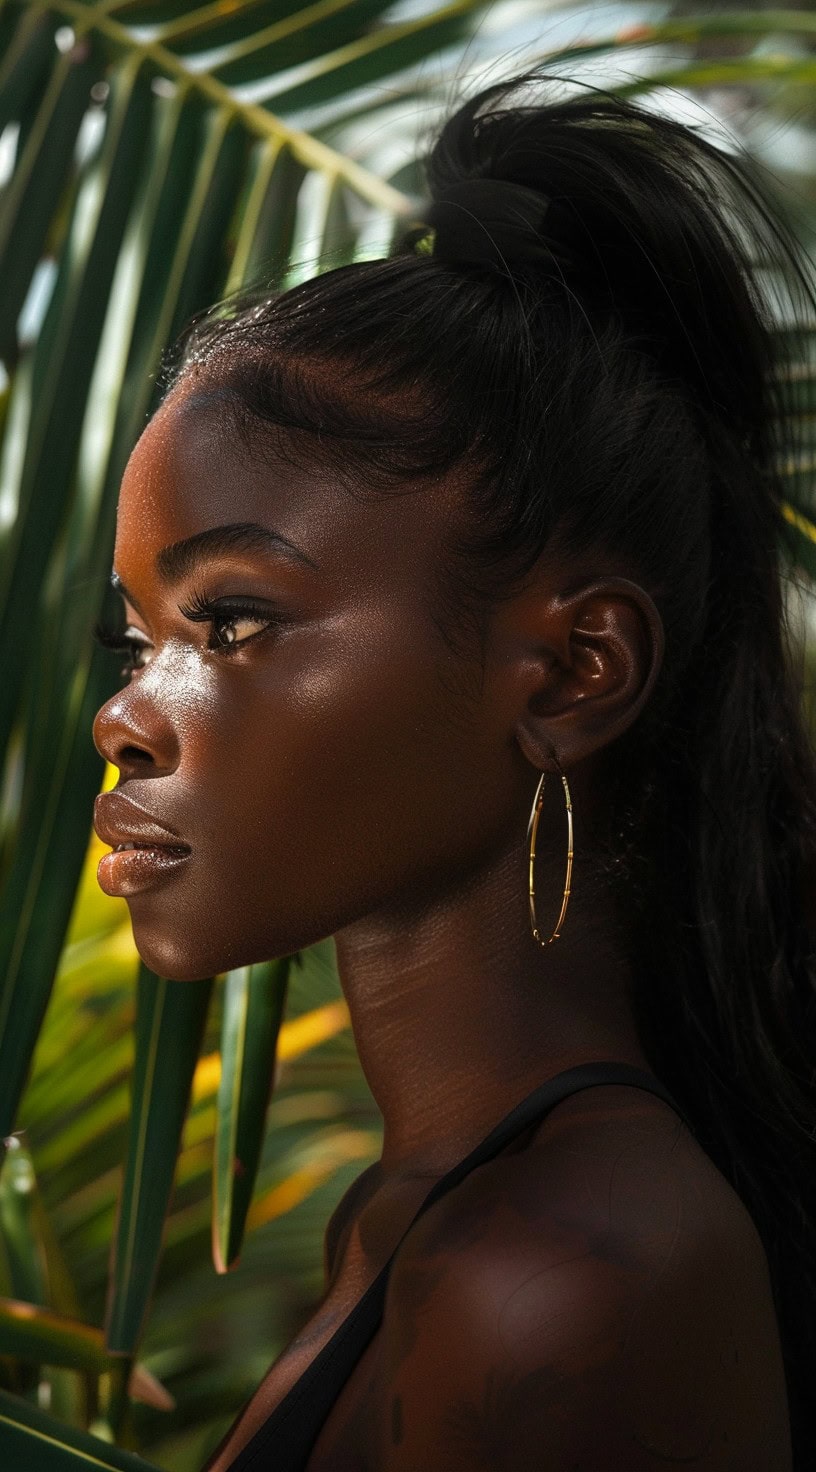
(532, 830)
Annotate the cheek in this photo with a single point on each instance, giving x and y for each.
(321, 785)
(347, 763)
(344, 731)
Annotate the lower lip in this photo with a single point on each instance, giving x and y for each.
(134, 869)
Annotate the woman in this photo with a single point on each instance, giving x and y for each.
(423, 561)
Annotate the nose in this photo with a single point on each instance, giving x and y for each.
(130, 732)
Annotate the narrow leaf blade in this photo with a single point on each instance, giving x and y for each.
(170, 1017)
(29, 1438)
(253, 1006)
(36, 188)
(29, 1332)
(36, 900)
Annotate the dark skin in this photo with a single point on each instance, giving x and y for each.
(597, 1296)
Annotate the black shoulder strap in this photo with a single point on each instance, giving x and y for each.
(288, 1437)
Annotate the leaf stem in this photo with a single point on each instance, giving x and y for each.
(258, 120)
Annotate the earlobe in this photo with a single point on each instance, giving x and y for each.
(604, 646)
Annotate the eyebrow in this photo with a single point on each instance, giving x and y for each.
(180, 559)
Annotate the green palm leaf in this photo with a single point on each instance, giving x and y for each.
(170, 1020)
(31, 1439)
(38, 894)
(286, 41)
(253, 1006)
(43, 1337)
(39, 178)
(27, 52)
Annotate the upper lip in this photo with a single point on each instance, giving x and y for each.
(118, 819)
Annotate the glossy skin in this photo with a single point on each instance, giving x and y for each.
(597, 1296)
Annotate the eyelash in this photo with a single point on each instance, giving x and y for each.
(199, 610)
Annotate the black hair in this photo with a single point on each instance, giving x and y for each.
(596, 346)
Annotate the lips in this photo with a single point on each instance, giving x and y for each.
(119, 821)
(146, 852)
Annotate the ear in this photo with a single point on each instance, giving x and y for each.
(591, 660)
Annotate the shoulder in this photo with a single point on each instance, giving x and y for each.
(604, 1295)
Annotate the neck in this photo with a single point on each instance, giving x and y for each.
(458, 1013)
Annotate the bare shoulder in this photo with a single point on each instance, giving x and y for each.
(600, 1291)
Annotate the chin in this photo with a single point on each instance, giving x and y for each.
(167, 957)
(174, 961)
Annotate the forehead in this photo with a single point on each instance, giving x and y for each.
(192, 469)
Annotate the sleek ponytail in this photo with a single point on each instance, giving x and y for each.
(595, 343)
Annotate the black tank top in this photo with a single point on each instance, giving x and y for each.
(286, 1438)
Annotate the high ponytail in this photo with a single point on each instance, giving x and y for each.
(591, 335)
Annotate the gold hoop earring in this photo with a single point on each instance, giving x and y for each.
(532, 830)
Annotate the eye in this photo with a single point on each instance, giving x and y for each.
(227, 627)
(233, 621)
(124, 643)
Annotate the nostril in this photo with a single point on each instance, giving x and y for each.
(134, 754)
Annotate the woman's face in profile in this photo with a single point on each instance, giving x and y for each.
(326, 756)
